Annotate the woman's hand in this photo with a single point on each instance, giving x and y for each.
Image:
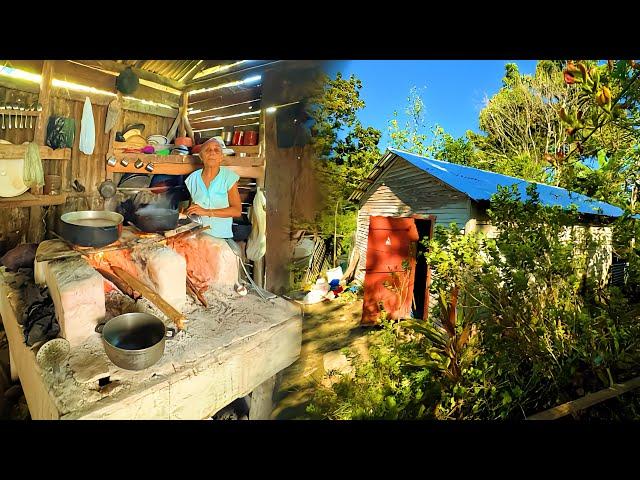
(198, 210)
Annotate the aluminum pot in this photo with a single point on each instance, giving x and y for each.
(91, 228)
(134, 341)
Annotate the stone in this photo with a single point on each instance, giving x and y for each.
(77, 291)
(167, 271)
(336, 361)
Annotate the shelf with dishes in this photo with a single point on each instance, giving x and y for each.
(250, 167)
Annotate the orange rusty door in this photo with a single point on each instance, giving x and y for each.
(391, 241)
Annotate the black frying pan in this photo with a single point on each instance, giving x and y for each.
(149, 219)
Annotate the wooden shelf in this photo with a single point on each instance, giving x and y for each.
(248, 149)
(177, 161)
(17, 152)
(248, 167)
(29, 200)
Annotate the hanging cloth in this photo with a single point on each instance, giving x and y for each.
(33, 173)
(257, 242)
(113, 115)
(87, 129)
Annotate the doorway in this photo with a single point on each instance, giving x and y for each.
(421, 282)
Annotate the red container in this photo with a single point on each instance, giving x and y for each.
(250, 137)
(238, 137)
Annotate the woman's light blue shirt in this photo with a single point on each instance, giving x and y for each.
(216, 196)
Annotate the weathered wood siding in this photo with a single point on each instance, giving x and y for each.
(404, 190)
(89, 170)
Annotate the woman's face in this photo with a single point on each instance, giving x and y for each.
(211, 154)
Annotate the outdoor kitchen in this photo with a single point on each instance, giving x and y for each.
(118, 301)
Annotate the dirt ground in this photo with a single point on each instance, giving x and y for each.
(326, 327)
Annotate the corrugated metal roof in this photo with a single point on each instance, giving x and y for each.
(481, 185)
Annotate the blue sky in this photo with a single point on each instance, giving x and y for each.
(453, 90)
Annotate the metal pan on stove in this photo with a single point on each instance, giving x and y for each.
(91, 228)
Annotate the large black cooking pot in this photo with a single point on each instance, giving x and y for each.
(152, 219)
(91, 228)
(134, 341)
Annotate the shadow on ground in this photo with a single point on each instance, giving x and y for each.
(326, 327)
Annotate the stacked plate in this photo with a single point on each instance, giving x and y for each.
(180, 150)
(157, 140)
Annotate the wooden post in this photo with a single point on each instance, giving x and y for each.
(43, 99)
(183, 113)
(36, 228)
(259, 266)
(112, 135)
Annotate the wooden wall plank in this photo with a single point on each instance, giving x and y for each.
(252, 106)
(220, 99)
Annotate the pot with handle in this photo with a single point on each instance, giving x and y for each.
(91, 228)
(134, 341)
(153, 219)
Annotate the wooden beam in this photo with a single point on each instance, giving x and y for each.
(252, 106)
(19, 84)
(586, 401)
(244, 171)
(227, 122)
(150, 79)
(73, 72)
(29, 200)
(223, 92)
(44, 100)
(230, 77)
(218, 99)
(192, 72)
(91, 77)
(183, 113)
(10, 152)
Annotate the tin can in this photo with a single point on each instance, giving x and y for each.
(238, 137)
(250, 137)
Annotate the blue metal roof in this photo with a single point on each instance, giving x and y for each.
(481, 185)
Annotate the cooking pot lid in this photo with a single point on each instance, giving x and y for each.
(11, 183)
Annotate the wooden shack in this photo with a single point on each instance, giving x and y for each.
(406, 196)
(214, 94)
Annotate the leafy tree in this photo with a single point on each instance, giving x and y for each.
(412, 137)
(522, 131)
(346, 151)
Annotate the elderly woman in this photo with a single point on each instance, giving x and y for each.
(214, 191)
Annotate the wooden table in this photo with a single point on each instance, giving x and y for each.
(233, 348)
